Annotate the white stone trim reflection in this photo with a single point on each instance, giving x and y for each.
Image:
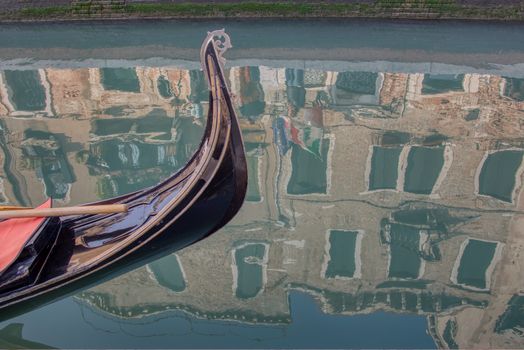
(448, 161)
(471, 82)
(402, 165)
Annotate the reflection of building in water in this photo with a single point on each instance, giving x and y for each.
(390, 200)
(25, 92)
(102, 126)
(369, 190)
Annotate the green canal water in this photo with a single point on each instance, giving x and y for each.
(384, 207)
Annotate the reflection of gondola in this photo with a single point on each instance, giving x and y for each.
(63, 255)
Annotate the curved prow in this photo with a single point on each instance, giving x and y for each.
(211, 58)
(219, 42)
(181, 210)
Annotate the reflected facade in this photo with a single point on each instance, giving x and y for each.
(371, 191)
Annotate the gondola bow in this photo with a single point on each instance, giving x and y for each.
(203, 196)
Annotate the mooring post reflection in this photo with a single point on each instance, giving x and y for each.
(370, 191)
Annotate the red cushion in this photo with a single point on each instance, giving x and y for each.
(14, 234)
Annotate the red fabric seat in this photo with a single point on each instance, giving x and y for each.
(14, 234)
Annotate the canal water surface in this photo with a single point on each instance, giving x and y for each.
(385, 204)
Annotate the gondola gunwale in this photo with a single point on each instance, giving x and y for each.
(204, 170)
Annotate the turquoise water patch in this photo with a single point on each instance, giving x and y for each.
(168, 273)
(497, 176)
(440, 83)
(309, 172)
(25, 90)
(424, 166)
(342, 254)
(120, 79)
(404, 260)
(474, 262)
(250, 279)
(384, 168)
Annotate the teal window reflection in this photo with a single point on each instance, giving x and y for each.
(514, 89)
(249, 260)
(156, 122)
(497, 176)
(404, 260)
(441, 83)
(423, 169)
(112, 126)
(199, 90)
(295, 91)
(253, 186)
(476, 258)
(168, 273)
(45, 152)
(164, 87)
(252, 104)
(25, 90)
(384, 168)
(513, 318)
(343, 258)
(412, 301)
(309, 171)
(120, 79)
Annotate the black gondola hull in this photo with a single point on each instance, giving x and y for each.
(182, 210)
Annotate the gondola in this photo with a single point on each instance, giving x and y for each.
(64, 254)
